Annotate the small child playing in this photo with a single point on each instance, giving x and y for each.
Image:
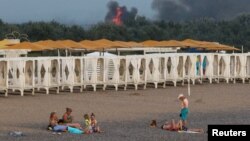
(93, 124)
(87, 123)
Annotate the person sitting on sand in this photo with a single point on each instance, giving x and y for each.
(53, 123)
(93, 123)
(172, 126)
(67, 117)
(184, 110)
(87, 123)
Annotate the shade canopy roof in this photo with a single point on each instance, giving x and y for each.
(70, 44)
(172, 43)
(3, 46)
(8, 42)
(207, 45)
(50, 44)
(192, 43)
(90, 45)
(104, 44)
(134, 44)
(26, 46)
(4, 42)
(152, 43)
(123, 44)
(110, 44)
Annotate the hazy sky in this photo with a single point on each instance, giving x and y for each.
(65, 11)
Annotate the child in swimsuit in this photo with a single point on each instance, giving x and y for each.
(93, 123)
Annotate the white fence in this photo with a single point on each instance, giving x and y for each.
(34, 74)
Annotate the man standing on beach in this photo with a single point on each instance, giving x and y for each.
(184, 110)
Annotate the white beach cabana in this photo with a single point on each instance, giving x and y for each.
(54, 73)
(42, 73)
(16, 75)
(111, 72)
(171, 68)
(4, 76)
(247, 69)
(67, 65)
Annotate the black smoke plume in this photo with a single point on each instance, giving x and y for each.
(180, 10)
(127, 15)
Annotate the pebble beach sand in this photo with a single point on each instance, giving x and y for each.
(126, 115)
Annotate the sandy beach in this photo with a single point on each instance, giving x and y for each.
(126, 115)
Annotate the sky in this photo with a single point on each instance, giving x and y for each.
(65, 11)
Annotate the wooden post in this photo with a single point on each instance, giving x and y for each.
(189, 92)
(66, 52)
(85, 52)
(58, 51)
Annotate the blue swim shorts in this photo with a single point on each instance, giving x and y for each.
(184, 113)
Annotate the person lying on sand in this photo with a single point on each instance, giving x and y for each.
(172, 126)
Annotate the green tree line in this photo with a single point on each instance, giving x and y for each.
(235, 32)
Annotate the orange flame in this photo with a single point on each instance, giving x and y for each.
(117, 19)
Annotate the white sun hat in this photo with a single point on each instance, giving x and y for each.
(180, 95)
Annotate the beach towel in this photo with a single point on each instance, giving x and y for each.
(75, 130)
